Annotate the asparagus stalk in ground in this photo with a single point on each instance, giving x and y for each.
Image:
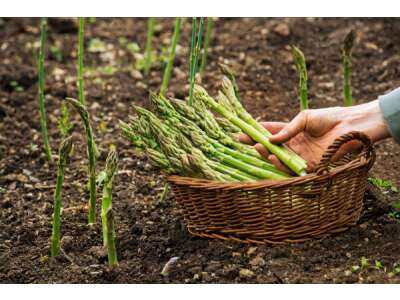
(81, 48)
(63, 152)
(207, 38)
(194, 55)
(92, 157)
(149, 41)
(347, 50)
(255, 131)
(171, 56)
(300, 63)
(41, 79)
(107, 217)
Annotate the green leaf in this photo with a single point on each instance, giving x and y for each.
(96, 45)
(383, 184)
(355, 269)
(364, 262)
(378, 265)
(133, 48)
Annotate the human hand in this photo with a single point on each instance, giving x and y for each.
(311, 132)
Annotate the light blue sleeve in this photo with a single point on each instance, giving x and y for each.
(390, 107)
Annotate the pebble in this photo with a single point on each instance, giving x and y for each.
(136, 74)
(251, 250)
(282, 29)
(246, 273)
(236, 254)
(205, 276)
(257, 262)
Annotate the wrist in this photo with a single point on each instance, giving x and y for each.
(367, 118)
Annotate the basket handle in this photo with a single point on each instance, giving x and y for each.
(338, 142)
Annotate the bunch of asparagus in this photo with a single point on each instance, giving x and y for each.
(192, 141)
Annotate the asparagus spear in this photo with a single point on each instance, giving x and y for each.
(347, 50)
(65, 149)
(91, 149)
(41, 80)
(107, 216)
(254, 130)
(300, 63)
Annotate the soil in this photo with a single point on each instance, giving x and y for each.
(151, 231)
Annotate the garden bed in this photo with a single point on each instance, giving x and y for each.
(150, 231)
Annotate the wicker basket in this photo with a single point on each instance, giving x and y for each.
(276, 212)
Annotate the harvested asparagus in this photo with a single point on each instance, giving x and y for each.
(254, 130)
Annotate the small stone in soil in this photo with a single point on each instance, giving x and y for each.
(246, 273)
(258, 261)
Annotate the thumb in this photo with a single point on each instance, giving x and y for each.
(297, 125)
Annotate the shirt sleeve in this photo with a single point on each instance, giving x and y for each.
(390, 107)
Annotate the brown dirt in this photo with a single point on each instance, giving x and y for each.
(149, 231)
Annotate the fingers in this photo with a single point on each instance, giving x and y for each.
(297, 125)
(245, 139)
(273, 127)
(262, 150)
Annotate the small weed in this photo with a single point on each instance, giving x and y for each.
(96, 45)
(56, 52)
(383, 184)
(16, 86)
(133, 48)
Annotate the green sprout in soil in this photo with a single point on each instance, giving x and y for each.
(207, 37)
(56, 52)
(171, 57)
(81, 49)
(383, 184)
(194, 55)
(107, 216)
(63, 152)
(300, 63)
(64, 123)
(149, 42)
(346, 53)
(41, 75)
(91, 149)
(16, 86)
